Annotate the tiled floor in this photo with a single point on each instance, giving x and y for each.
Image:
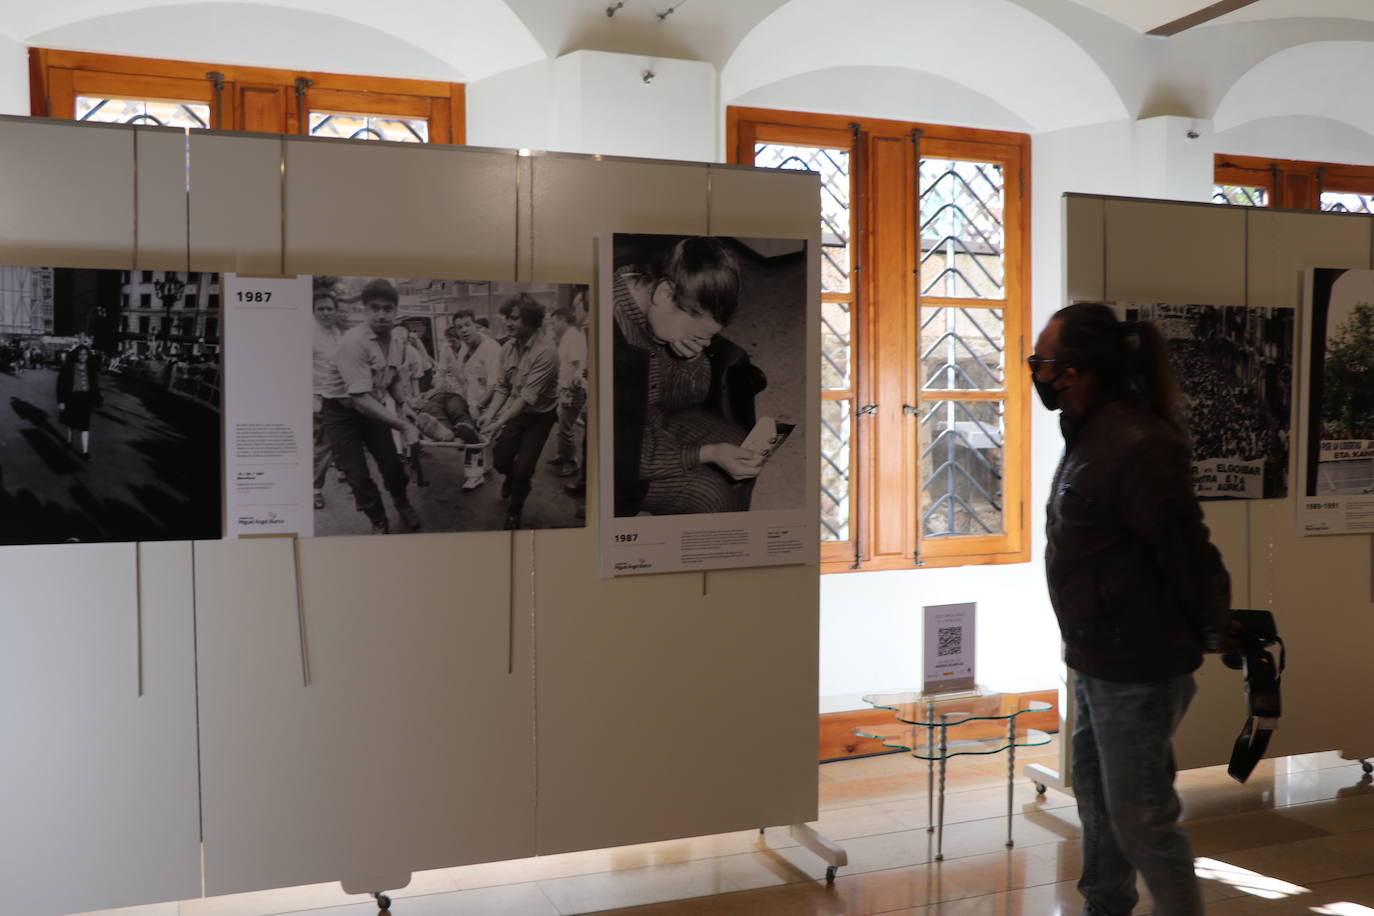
(1298, 838)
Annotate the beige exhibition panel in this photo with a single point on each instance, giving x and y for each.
(411, 745)
(577, 200)
(399, 210)
(1319, 588)
(99, 792)
(708, 697)
(236, 202)
(160, 156)
(384, 717)
(67, 192)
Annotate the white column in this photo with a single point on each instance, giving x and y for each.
(14, 77)
(604, 104)
(1173, 158)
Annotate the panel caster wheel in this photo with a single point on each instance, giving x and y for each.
(1040, 788)
(1367, 766)
(383, 902)
(829, 875)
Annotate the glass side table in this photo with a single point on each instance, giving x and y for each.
(935, 727)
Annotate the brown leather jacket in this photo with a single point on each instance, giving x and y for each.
(1137, 586)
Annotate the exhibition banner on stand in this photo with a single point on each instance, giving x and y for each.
(388, 405)
(703, 393)
(1336, 418)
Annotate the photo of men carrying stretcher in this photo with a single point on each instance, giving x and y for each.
(444, 405)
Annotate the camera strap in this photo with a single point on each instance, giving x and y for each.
(1253, 739)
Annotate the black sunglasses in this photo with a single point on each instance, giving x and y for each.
(1035, 362)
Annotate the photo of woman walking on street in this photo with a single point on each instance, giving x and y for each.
(78, 391)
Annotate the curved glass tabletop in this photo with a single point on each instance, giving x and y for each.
(916, 708)
(924, 742)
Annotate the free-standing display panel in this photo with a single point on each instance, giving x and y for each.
(426, 645)
(1318, 588)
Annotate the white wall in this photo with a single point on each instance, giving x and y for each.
(14, 77)
(513, 110)
(603, 105)
(1299, 137)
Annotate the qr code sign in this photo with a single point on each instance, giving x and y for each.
(951, 640)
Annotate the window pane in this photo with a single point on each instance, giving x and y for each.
(961, 468)
(368, 127)
(962, 349)
(1240, 195)
(1347, 202)
(833, 166)
(835, 432)
(142, 111)
(962, 237)
(837, 346)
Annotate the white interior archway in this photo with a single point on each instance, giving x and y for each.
(469, 39)
(994, 48)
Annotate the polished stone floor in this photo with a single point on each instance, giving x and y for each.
(1297, 838)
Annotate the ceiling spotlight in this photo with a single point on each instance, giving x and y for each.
(614, 8)
(649, 76)
(670, 11)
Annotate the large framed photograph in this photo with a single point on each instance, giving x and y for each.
(112, 380)
(1235, 368)
(428, 405)
(704, 392)
(1336, 422)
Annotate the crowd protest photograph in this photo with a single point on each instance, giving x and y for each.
(447, 405)
(1235, 367)
(112, 380)
(709, 368)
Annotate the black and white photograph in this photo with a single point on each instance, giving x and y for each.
(1337, 472)
(707, 334)
(447, 405)
(708, 385)
(1235, 366)
(112, 379)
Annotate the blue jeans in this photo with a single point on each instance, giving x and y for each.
(1123, 777)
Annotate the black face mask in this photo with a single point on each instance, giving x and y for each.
(1049, 395)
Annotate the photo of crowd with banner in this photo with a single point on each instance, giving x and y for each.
(1235, 366)
(1338, 413)
(112, 380)
(447, 405)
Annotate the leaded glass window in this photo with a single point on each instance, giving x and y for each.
(1347, 202)
(368, 127)
(838, 379)
(962, 346)
(962, 237)
(961, 455)
(1240, 195)
(142, 111)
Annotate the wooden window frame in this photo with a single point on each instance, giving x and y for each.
(242, 98)
(885, 531)
(1295, 184)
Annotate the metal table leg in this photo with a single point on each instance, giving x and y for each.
(930, 768)
(940, 824)
(1011, 771)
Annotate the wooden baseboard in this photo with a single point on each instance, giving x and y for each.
(838, 741)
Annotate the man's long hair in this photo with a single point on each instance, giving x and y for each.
(1129, 359)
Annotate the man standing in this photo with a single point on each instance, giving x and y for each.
(522, 408)
(1140, 594)
(480, 362)
(354, 414)
(572, 388)
(324, 345)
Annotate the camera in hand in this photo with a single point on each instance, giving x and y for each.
(1253, 632)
